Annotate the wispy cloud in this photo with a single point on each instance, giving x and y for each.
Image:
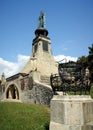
(11, 68)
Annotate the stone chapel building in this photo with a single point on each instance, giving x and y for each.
(32, 83)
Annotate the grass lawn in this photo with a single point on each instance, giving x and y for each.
(21, 116)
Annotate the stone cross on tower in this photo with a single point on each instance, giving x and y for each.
(41, 20)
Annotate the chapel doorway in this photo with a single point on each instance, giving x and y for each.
(12, 92)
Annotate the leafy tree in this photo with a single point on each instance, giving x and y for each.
(91, 50)
(83, 61)
(87, 61)
(90, 61)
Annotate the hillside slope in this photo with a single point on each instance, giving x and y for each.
(21, 116)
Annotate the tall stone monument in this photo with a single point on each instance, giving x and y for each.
(41, 60)
(32, 84)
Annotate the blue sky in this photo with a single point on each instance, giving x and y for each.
(69, 22)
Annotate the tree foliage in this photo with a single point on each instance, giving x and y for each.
(90, 61)
(87, 61)
(83, 61)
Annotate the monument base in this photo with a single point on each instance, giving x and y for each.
(73, 112)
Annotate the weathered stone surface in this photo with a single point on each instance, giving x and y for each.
(40, 60)
(30, 89)
(71, 113)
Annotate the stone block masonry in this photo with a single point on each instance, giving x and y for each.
(71, 112)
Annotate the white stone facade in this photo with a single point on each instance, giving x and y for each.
(41, 61)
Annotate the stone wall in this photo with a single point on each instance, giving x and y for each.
(39, 94)
(43, 93)
(30, 90)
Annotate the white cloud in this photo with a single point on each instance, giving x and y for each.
(65, 58)
(11, 68)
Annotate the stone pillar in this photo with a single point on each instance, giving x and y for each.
(71, 112)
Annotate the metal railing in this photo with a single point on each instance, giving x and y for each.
(72, 78)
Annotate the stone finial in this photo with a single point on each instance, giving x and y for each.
(3, 79)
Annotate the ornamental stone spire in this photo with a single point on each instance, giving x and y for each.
(3, 79)
(41, 20)
(41, 30)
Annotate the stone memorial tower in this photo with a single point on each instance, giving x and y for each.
(32, 84)
(41, 60)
